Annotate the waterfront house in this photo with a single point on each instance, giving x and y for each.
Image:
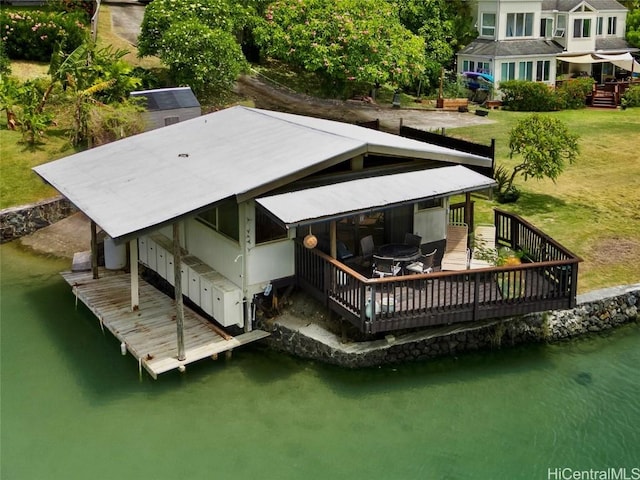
(241, 203)
(550, 41)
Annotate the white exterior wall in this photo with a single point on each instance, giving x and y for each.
(581, 45)
(431, 223)
(518, 6)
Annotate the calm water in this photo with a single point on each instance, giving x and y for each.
(74, 408)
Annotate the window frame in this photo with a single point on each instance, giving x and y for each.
(547, 27)
(519, 24)
(264, 221)
(585, 24)
(217, 220)
(600, 26)
(525, 70)
(511, 71)
(543, 70)
(612, 25)
(484, 26)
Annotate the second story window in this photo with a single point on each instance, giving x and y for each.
(582, 28)
(546, 27)
(611, 25)
(488, 25)
(599, 24)
(519, 24)
(223, 218)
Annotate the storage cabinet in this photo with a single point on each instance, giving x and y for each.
(214, 293)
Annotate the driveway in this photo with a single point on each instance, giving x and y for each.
(126, 17)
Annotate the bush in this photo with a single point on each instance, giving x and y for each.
(5, 63)
(631, 97)
(524, 96)
(573, 93)
(34, 35)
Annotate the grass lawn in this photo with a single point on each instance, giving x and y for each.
(594, 207)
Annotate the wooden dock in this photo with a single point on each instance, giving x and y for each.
(149, 333)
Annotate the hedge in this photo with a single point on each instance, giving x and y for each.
(526, 96)
(34, 35)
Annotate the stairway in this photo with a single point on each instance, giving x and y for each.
(604, 100)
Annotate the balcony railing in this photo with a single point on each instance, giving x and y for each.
(546, 282)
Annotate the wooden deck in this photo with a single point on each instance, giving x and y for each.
(149, 334)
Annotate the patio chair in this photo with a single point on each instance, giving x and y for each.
(456, 254)
(385, 267)
(424, 264)
(364, 260)
(411, 239)
(484, 248)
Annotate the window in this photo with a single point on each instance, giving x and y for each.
(483, 67)
(267, 228)
(611, 25)
(582, 28)
(223, 218)
(488, 28)
(525, 71)
(561, 26)
(468, 66)
(546, 27)
(599, 23)
(430, 203)
(171, 120)
(508, 71)
(519, 24)
(542, 70)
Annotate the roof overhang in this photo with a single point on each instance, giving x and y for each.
(304, 207)
(622, 60)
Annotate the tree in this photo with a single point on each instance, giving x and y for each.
(445, 25)
(633, 28)
(198, 41)
(350, 44)
(545, 144)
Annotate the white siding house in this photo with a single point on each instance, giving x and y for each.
(538, 40)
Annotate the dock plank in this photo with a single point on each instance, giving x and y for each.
(149, 333)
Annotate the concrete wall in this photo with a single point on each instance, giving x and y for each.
(16, 222)
(595, 312)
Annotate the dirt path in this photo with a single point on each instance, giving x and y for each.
(270, 97)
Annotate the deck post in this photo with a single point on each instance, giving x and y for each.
(94, 250)
(332, 235)
(133, 260)
(177, 272)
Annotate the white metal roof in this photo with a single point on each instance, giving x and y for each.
(366, 194)
(152, 178)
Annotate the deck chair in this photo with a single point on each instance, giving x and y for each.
(411, 239)
(364, 260)
(456, 254)
(484, 247)
(385, 267)
(424, 263)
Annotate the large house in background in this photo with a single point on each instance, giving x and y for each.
(550, 40)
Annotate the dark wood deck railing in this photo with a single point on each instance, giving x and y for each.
(395, 303)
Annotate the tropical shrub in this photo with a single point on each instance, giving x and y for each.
(572, 94)
(525, 96)
(5, 63)
(35, 35)
(631, 97)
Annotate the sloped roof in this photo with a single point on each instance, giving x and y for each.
(511, 48)
(153, 178)
(568, 5)
(168, 98)
(613, 44)
(366, 194)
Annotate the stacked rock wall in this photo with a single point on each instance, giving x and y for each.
(16, 222)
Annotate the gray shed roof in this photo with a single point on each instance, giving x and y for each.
(568, 5)
(168, 98)
(511, 48)
(613, 44)
(366, 194)
(151, 179)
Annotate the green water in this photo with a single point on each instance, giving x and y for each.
(74, 408)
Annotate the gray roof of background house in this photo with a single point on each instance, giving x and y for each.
(613, 44)
(568, 5)
(168, 98)
(150, 179)
(511, 48)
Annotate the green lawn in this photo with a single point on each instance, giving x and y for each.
(594, 207)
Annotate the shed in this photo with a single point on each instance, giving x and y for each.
(166, 106)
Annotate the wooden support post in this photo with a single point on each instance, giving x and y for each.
(94, 250)
(333, 240)
(177, 272)
(467, 212)
(135, 289)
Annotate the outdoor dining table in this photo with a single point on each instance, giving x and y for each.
(402, 253)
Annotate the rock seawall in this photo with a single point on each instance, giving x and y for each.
(595, 312)
(16, 222)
